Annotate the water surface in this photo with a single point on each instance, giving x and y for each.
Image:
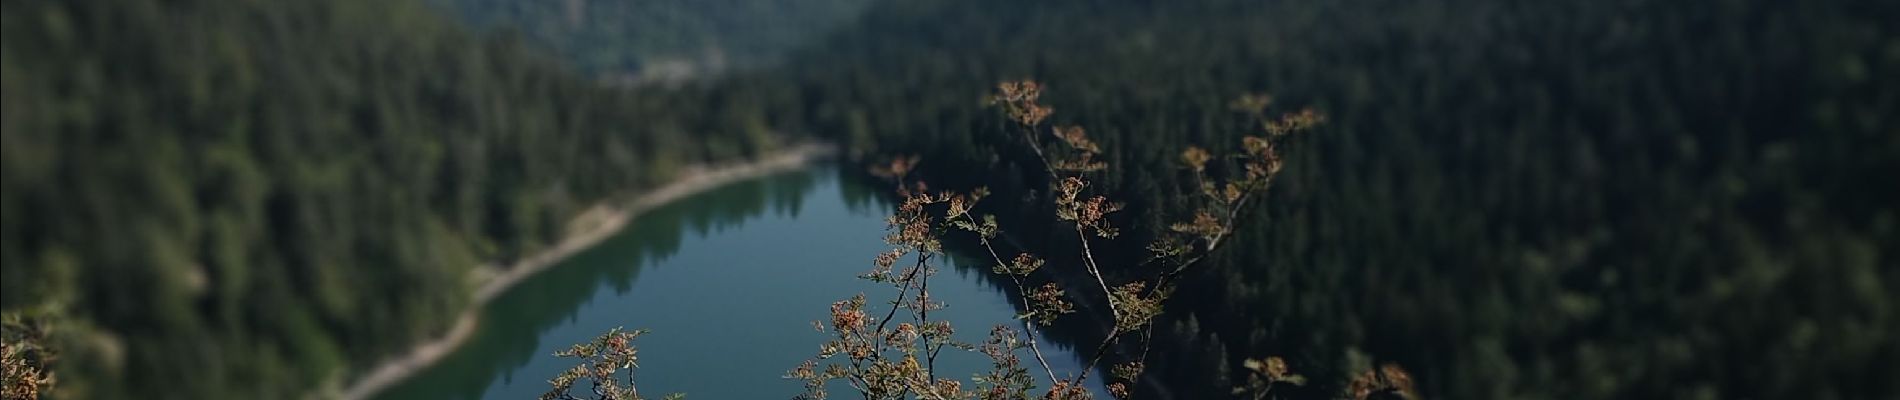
(728, 281)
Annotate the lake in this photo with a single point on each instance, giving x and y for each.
(728, 281)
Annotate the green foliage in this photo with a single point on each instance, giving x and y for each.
(640, 41)
(253, 199)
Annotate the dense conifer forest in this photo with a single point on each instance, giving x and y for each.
(255, 198)
(1516, 200)
(1569, 199)
(647, 41)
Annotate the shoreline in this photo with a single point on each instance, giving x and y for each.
(602, 222)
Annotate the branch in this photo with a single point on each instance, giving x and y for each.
(1088, 256)
(909, 279)
(923, 320)
(1022, 294)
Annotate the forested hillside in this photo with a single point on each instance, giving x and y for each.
(1568, 199)
(661, 40)
(1605, 199)
(232, 199)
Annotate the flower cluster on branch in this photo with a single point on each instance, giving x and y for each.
(602, 359)
(890, 368)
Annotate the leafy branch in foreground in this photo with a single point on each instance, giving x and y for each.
(884, 361)
(601, 358)
(24, 357)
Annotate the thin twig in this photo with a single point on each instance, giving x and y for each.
(909, 280)
(1022, 294)
(1100, 351)
(1088, 256)
(923, 322)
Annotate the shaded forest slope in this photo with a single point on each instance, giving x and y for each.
(250, 199)
(1515, 200)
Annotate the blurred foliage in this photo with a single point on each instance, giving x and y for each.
(1570, 199)
(661, 39)
(254, 198)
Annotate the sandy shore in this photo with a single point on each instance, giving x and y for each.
(595, 225)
